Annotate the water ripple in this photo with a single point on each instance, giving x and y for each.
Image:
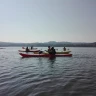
(74, 76)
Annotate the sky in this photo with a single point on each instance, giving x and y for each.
(47, 20)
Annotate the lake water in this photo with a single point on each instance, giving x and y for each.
(61, 76)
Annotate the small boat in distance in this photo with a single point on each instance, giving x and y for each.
(29, 51)
(30, 48)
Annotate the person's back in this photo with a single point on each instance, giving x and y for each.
(31, 47)
(64, 49)
(27, 50)
(49, 50)
(53, 51)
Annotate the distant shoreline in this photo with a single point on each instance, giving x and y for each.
(55, 44)
(4, 47)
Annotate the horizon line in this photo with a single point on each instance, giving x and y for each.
(47, 42)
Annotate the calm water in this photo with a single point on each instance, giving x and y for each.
(61, 76)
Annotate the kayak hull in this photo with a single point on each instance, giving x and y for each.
(62, 52)
(45, 55)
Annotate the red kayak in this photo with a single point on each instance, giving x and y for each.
(29, 50)
(45, 55)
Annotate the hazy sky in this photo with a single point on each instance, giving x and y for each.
(48, 20)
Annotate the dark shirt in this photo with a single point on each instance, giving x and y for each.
(52, 51)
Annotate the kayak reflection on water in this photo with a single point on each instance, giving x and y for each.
(52, 62)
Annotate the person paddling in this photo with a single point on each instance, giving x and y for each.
(31, 47)
(64, 49)
(27, 50)
(53, 51)
(49, 49)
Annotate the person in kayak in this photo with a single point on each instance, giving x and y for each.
(31, 47)
(53, 51)
(27, 50)
(49, 50)
(64, 49)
